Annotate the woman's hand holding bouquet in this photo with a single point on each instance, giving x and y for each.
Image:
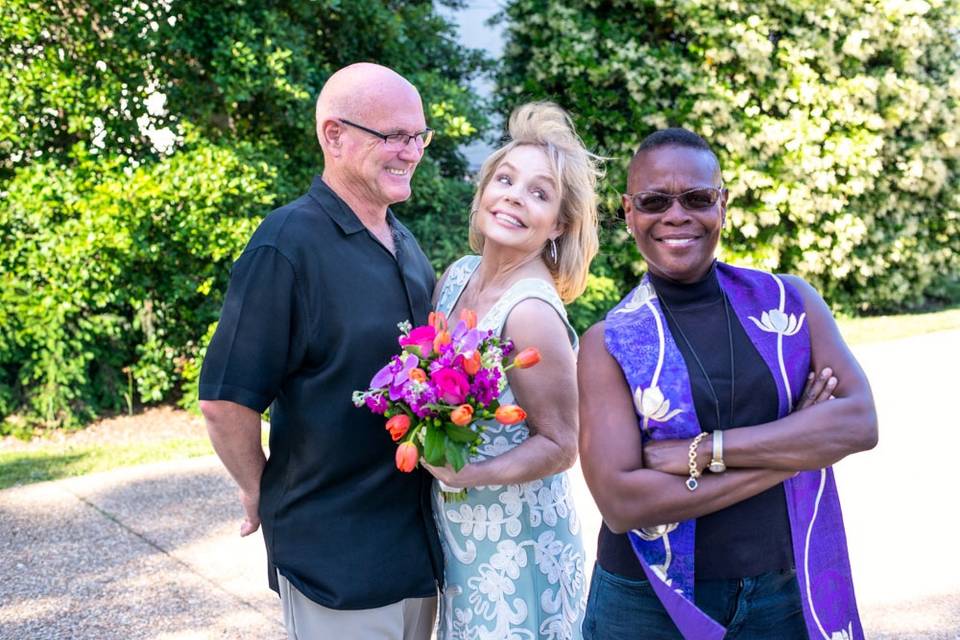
(436, 392)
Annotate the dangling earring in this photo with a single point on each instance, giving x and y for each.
(553, 250)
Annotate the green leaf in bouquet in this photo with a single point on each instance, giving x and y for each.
(414, 349)
(465, 435)
(456, 454)
(434, 446)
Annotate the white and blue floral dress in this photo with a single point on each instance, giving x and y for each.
(513, 556)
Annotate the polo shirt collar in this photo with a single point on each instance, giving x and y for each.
(341, 213)
(337, 209)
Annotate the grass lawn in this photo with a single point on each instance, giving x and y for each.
(157, 434)
(881, 328)
(53, 462)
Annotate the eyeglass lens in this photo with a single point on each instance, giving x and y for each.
(655, 202)
(398, 140)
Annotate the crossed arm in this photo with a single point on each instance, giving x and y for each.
(637, 485)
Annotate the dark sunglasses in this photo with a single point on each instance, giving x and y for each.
(657, 202)
(396, 141)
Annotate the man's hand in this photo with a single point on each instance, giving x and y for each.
(251, 507)
(235, 433)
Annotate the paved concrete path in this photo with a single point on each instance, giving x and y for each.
(144, 552)
(153, 552)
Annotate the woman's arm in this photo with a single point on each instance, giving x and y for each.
(811, 437)
(628, 495)
(547, 392)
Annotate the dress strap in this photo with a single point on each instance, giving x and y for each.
(456, 279)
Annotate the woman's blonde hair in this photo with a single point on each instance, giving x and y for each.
(576, 170)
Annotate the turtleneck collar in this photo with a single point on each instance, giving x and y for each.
(678, 295)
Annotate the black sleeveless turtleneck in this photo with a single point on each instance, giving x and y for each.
(752, 536)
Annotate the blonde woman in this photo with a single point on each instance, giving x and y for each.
(514, 560)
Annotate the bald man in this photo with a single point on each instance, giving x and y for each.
(310, 315)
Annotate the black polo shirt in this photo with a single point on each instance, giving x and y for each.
(310, 315)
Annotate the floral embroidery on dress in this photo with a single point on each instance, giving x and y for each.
(514, 560)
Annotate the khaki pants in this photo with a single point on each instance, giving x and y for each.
(410, 619)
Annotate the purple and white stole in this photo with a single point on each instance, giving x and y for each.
(771, 312)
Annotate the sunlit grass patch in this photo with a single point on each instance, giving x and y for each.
(882, 328)
(55, 462)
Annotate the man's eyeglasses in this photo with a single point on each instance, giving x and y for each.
(657, 202)
(396, 141)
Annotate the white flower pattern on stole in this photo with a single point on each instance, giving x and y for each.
(643, 294)
(843, 634)
(651, 404)
(776, 321)
(657, 532)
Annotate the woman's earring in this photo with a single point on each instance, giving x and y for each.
(553, 250)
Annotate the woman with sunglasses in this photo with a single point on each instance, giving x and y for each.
(705, 439)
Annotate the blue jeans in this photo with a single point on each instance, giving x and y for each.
(757, 608)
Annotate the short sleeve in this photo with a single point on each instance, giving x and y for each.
(260, 337)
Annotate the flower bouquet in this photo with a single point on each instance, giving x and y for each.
(439, 388)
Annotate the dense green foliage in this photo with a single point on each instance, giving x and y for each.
(141, 142)
(837, 125)
(140, 145)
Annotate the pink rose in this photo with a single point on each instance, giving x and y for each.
(452, 385)
(421, 337)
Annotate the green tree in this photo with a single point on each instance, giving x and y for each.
(140, 145)
(836, 124)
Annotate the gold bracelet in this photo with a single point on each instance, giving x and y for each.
(692, 483)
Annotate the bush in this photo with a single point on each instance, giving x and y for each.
(107, 267)
(836, 124)
(140, 145)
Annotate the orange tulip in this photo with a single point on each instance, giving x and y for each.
(471, 363)
(470, 317)
(437, 320)
(527, 358)
(398, 426)
(443, 338)
(462, 415)
(407, 457)
(418, 375)
(510, 414)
